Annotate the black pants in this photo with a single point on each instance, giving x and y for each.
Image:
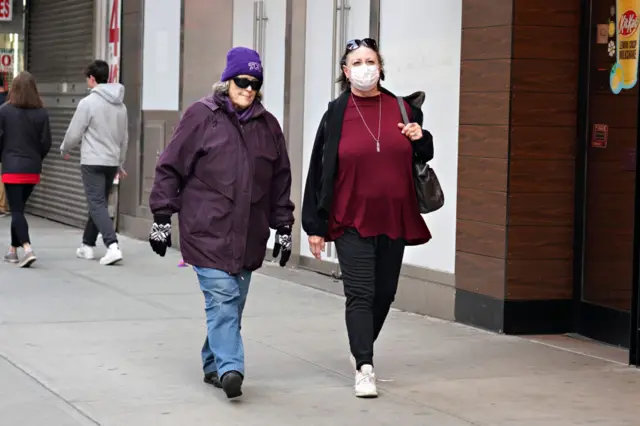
(370, 272)
(98, 181)
(17, 196)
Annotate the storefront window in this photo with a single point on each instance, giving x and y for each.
(12, 46)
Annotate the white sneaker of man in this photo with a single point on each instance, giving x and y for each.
(366, 382)
(85, 252)
(113, 256)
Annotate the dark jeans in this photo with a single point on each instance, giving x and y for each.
(370, 272)
(98, 181)
(17, 196)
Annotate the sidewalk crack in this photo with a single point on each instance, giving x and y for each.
(66, 402)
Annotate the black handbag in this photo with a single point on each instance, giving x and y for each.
(428, 188)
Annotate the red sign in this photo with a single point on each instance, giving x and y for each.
(628, 23)
(6, 60)
(114, 41)
(600, 136)
(6, 10)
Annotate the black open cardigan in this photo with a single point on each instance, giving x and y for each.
(318, 191)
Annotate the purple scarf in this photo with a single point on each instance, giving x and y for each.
(242, 115)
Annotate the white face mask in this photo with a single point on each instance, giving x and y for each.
(364, 77)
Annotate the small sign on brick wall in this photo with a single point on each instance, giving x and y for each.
(600, 136)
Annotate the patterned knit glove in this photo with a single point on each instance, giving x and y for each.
(282, 244)
(160, 235)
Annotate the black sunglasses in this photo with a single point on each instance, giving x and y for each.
(366, 42)
(243, 83)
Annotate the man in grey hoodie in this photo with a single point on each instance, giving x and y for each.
(99, 125)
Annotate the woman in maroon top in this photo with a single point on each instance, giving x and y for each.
(360, 194)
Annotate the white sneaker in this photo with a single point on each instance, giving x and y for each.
(353, 362)
(366, 382)
(85, 252)
(114, 255)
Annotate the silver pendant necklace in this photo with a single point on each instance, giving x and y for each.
(377, 139)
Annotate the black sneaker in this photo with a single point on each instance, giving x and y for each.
(213, 379)
(232, 384)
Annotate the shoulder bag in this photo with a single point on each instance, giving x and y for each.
(428, 189)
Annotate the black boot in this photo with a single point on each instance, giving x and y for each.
(213, 379)
(232, 384)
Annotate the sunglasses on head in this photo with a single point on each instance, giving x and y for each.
(243, 83)
(366, 42)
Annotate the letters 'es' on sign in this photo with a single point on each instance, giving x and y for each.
(600, 136)
(6, 10)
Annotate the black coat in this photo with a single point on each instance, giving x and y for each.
(318, 191)
(25, 139)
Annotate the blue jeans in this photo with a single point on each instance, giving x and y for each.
(225, 296)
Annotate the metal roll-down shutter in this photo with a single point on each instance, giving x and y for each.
(59, 47)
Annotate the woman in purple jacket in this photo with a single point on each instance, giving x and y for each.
(226, 173)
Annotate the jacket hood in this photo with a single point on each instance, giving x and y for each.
(111, 92)
(210, 102)
(416, 99)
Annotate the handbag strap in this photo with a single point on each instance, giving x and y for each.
(405, 119)
(403, 109)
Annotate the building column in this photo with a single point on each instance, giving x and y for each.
(205, 39)
(293, 126)
(518, 130)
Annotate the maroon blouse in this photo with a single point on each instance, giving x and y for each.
(373, 190)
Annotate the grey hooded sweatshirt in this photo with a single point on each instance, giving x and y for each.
(100, 124)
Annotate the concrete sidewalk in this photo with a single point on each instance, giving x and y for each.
(83, 344)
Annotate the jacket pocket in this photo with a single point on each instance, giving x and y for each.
(262, 176)
(215, 207)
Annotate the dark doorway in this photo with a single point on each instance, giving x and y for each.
(606, 181)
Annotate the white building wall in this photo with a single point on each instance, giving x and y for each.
(422, 57)
(261, 25)
(321, 61)
(426, 57)
(161, 55)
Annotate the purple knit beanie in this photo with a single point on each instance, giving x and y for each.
(242, 61)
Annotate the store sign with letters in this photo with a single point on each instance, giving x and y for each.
(624, 22)
(6, 60)
(6, 10)
(600, 136)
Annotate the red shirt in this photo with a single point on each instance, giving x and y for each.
(374, 191)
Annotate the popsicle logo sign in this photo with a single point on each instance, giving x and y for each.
(624, 73)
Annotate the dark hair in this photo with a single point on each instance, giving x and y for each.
(99, 70)
(343, 80)
(24, 92)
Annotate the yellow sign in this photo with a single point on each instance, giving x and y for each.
(624, 73)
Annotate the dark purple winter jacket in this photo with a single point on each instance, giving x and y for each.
(229, 183)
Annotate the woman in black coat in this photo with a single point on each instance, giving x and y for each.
(360, 194)
(25, 139)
